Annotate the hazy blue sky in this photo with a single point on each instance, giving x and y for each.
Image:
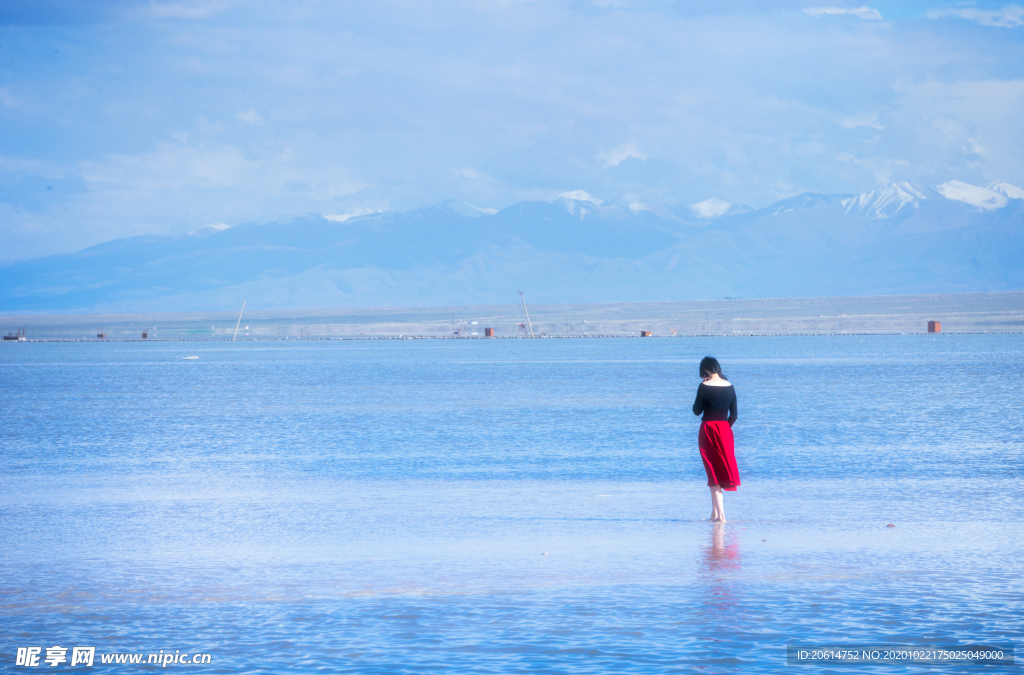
(122, 118)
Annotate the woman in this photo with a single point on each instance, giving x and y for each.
(716, 398)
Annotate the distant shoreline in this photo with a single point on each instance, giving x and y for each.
(503, 337)
(960, 313)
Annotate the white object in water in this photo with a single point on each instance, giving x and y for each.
(191, 358)
(239, 322)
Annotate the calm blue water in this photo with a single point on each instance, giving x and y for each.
(386, 507)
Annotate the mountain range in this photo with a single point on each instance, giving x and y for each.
(897, 239)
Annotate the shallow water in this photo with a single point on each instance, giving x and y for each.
(382, 507)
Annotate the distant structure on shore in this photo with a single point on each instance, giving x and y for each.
(17, 336)
(528, 322)
(891, 315)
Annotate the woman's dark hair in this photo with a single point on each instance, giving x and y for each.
(709, 366)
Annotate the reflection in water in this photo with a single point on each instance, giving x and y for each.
(719, 564)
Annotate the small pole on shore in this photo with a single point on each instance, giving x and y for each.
(239, 321)
(527, 313)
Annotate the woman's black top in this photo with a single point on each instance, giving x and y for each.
(717, 403)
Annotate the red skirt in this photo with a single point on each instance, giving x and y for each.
(716, 449)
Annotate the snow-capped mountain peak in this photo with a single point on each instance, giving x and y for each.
(626, 204)
(579, 203)
(212, 228)
(885, 202)
(580, 196)
(983, 198)
(468, 210)
(1011, 191)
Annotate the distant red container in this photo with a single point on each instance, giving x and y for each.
(488, 332)
(646, 333)
(934, 326)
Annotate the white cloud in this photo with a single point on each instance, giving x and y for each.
(869, 120)
(962, 121)
(580, 196)
(866, 13)
(198, 9)
(710, 208)
(1010, 16)
(342, 217)
(251, 117)
(174, 167)
(7, 98)
(882, 168)
(593, 89)
(323, 184)
(974, 147)
(171, 166)
(33, 167)
(620, 154)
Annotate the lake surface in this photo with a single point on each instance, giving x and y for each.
(507, 506)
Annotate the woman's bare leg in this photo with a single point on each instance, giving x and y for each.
(717, 504)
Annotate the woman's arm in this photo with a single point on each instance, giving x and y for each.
(732, 408)
(698, 405)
